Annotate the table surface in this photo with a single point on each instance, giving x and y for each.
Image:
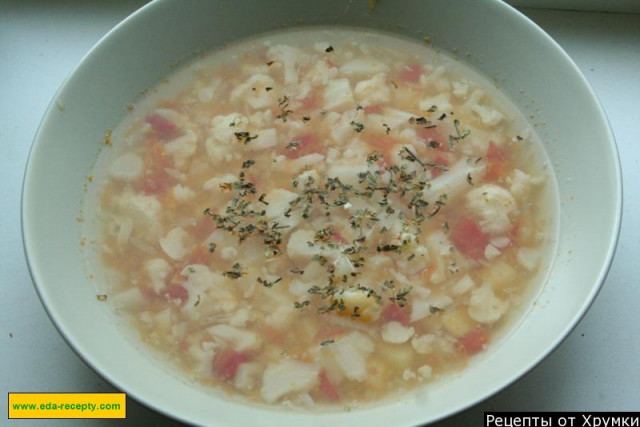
(597, 368)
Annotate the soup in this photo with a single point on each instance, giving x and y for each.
(323, 218)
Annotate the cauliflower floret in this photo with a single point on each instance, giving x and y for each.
(279, 201)
(298, 246)
(222, 136)
(245, 377)
(350, 352)
(363, 67)
(460, 88)
(176, 243)
(522, 183)
(183, 147)
(494, 206)
(157, 269)
(442, 101)
(183, 193)
(254, 92)
(144, 210)
(528, 258)
(239, 339)
(213, 184)
(373, 91)
(396, 333)
(424, 344)
(425, 372)
(127, 167)
(210, 288)
(491, 252)
(463, 285)
(207, 93)
(291, 58)
(488, 116)
(338, 95)
(287, 377)
(265, 138)
(322, 73)
(484, 306)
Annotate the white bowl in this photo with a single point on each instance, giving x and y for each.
(492, 36)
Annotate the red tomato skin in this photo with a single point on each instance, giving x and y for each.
(474, 341)
(328, 389)
(468, 238)
(393, 312)
(411, 73)
(225, 363)
(161, 125)
(173, 291)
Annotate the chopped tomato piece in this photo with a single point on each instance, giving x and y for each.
(439, 161)
(339, 237)
(394, 312)
(383, 144)
(474, 341)
(173, 291)
(200, 255)
(306, 144)
(513, 232)
(309, 102)
(327, 388)
(411, 73)
(468, 238)
(432, 138)
(373, 109)
(161, 125)
(495, 153)
(225, 363)
(156, 183)
(497, 167)
(204, 228)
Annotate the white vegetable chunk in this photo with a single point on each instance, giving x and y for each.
(291, 58)
(396, 333)
(425, 372)
(279, 200)
(129, 299)
(494, 206)
(373, 91)
(463, 285)
(491, 252)
(454, 181)
(240, 339)
(127, 167)
(157, 270)
(246, 375)
(298, 247)
(484, 306)
(350, 353)
(528, 258)
(183, 147)
(287, 377)
(522, 183)
(183, 193)
(424, 344)
(265, 138)
(442, 101)
(176, 243)
(421, 308)
(254, 92)
(363, 67)
(338, 95)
